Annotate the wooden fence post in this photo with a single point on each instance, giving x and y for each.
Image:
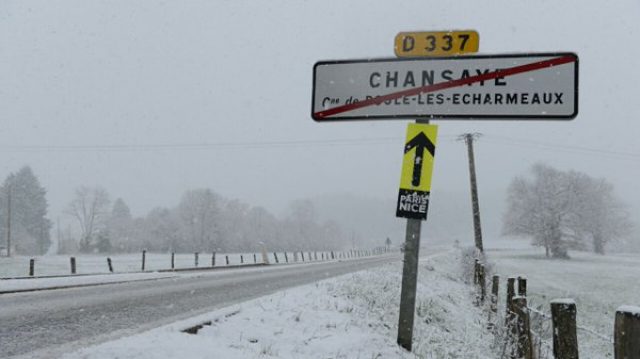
(32, 265)
(286, 257)
(482, 283)
(563, 318)
(302, 254)
(522, 286)
(475, 271)
(173, 260)
(110, 265)
(195, 255)
(144, 259)
(255, 260)
(241, 259)
(493, 309)
(73, 265)
(332, 256)
(523, 348)
(510, 294)
(226, 258)
(213, 259)
(275, 256)
(627, 332)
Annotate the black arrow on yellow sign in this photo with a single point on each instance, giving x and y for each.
(420, 142)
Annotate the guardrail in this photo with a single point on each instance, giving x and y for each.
(215, 260)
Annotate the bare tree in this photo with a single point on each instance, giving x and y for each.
(562, 210)
(90, 208)
(199, 211)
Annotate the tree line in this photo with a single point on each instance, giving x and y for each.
(562, 210)
(202, 221)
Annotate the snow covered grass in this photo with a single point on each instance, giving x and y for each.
(18, 266)
(351, 316)
(598, 284)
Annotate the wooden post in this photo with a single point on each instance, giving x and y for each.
(110, 265)
(563, 318)
(173, 260)
(522, 286)
(32, 265)
(482, 283)
(627, 333)
(195, 255)
(275, 256)
(495, 288)
(73, 265)
(475, 271)
(213, 259)
(509, 316)
(286, 257)
(510, 294)
(302, 254)
(523, 348)
(144, 257)
(255, 260)
(493, 309)
(241, 259)
(332, 256)
(226, 258)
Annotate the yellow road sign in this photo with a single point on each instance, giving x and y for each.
(417, 167)
(436, 43)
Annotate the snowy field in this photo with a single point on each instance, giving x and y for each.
(352, 316)
(599, 285)
(18, 266)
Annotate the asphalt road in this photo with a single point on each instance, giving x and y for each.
(49, 323)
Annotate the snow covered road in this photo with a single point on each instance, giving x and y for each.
(39, 324)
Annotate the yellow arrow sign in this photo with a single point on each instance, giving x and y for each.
(417, 167)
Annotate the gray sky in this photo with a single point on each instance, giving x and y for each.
(159, 75)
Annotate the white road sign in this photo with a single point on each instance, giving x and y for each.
(531, 86)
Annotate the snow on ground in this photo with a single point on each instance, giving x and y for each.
(351, 316)
(598, 284)
(59, 282)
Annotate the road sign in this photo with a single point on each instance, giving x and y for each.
(417, 166)
(436, 43)
(531, 86)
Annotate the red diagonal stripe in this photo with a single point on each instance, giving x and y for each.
(447, 85)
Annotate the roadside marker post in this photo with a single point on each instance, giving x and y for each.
(428, 83)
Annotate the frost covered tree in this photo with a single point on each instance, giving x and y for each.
(199, 212)
(29, 227)
(561, 210)
(541, 209)
(119, 226)
(90, 208)
(601, 216)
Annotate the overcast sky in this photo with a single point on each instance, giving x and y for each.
(149, 98)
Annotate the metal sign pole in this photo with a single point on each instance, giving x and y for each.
(409, 279)
(409, 283)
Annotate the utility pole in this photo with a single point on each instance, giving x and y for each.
(9, 220)
(477, 230)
